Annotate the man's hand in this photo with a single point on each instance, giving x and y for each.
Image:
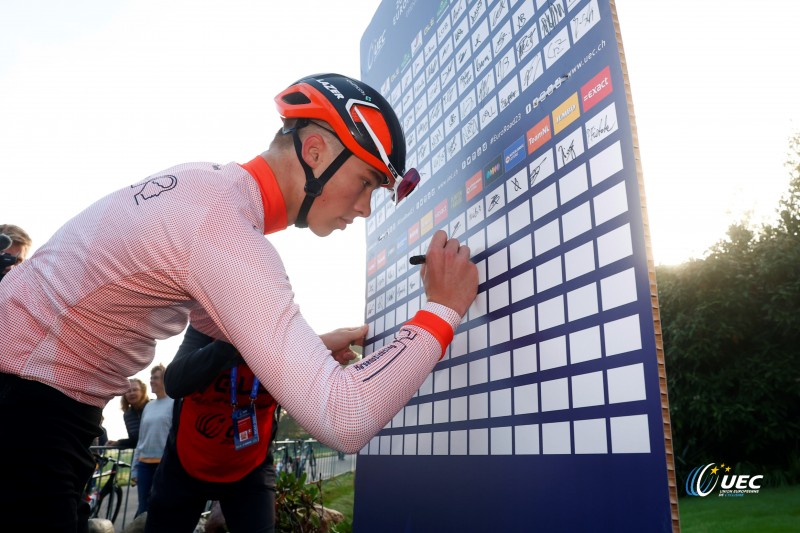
(339, 340)
(448, 275)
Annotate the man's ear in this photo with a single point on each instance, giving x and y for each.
(314, 148)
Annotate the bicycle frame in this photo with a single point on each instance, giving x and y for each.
(110, 493)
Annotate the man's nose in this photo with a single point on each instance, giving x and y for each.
(363, 206)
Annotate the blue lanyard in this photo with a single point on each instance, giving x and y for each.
(253, 389)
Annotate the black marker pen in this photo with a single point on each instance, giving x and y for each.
(417, 259)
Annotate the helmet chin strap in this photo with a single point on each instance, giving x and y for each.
(314, 185)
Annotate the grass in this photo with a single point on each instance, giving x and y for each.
(337, 493)
(772, 510)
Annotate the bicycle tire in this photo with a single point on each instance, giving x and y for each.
(109, 503)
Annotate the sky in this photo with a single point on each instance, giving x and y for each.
(96, 94)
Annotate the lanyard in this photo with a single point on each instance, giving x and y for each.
(253, 389)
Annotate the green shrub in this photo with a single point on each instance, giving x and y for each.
(296, 505)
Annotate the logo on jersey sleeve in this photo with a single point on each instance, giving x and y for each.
(153, 187)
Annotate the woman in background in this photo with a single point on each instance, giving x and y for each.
(133, 403)
(153, 431)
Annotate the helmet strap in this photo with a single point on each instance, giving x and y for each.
(314, 185)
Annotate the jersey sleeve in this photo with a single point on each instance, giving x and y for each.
(240, 282)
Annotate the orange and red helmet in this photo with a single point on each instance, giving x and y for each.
(360, 117)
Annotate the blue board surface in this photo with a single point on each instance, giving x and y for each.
(546, 413)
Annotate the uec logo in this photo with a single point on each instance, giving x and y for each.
(702, 481)
(697, 485)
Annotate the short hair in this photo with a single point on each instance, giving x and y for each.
(158, 367)
(283, 140)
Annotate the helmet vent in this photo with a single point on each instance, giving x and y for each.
(297, 98)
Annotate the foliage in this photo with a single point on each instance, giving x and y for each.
(731, 331)
(289, 429)
(295, 505)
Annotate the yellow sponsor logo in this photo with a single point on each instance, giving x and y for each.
(566, 113)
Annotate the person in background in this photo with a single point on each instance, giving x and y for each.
(218, 447)
(132, 403)
(153, 432)
(20, 245)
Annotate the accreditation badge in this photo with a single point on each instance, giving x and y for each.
(245, 429)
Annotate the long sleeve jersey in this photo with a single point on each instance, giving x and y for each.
(84, 312)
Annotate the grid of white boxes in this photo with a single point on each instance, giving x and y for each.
(555, 248)
(520, 235)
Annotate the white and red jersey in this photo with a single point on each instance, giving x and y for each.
(84, 312)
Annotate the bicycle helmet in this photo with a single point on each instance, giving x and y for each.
(363, 121)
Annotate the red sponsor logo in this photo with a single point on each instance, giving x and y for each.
(440, 213)
(539, 134)
(596, 89)
(474, 186)
(381, 259)
(372, 267)
(413, 233)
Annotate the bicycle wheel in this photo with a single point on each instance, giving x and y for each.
(109, 503)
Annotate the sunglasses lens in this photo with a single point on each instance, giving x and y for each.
(407, 184)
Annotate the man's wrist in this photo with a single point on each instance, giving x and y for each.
(438, 320)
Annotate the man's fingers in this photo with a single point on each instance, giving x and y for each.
(438, 240)
(452, 245)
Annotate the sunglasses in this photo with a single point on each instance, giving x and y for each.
(403, 185)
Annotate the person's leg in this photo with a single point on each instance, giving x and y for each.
(249, 504)
(44, 456)
(144, 482)
(176, 499)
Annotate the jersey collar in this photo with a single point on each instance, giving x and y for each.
(275, 217)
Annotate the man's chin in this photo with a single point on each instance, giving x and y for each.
(321, 232)
(322, 229)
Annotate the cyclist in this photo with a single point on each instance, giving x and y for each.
(83, 313)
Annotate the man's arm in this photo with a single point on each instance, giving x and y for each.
(240, 283)
(198, 361)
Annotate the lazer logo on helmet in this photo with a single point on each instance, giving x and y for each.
(332, 89)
